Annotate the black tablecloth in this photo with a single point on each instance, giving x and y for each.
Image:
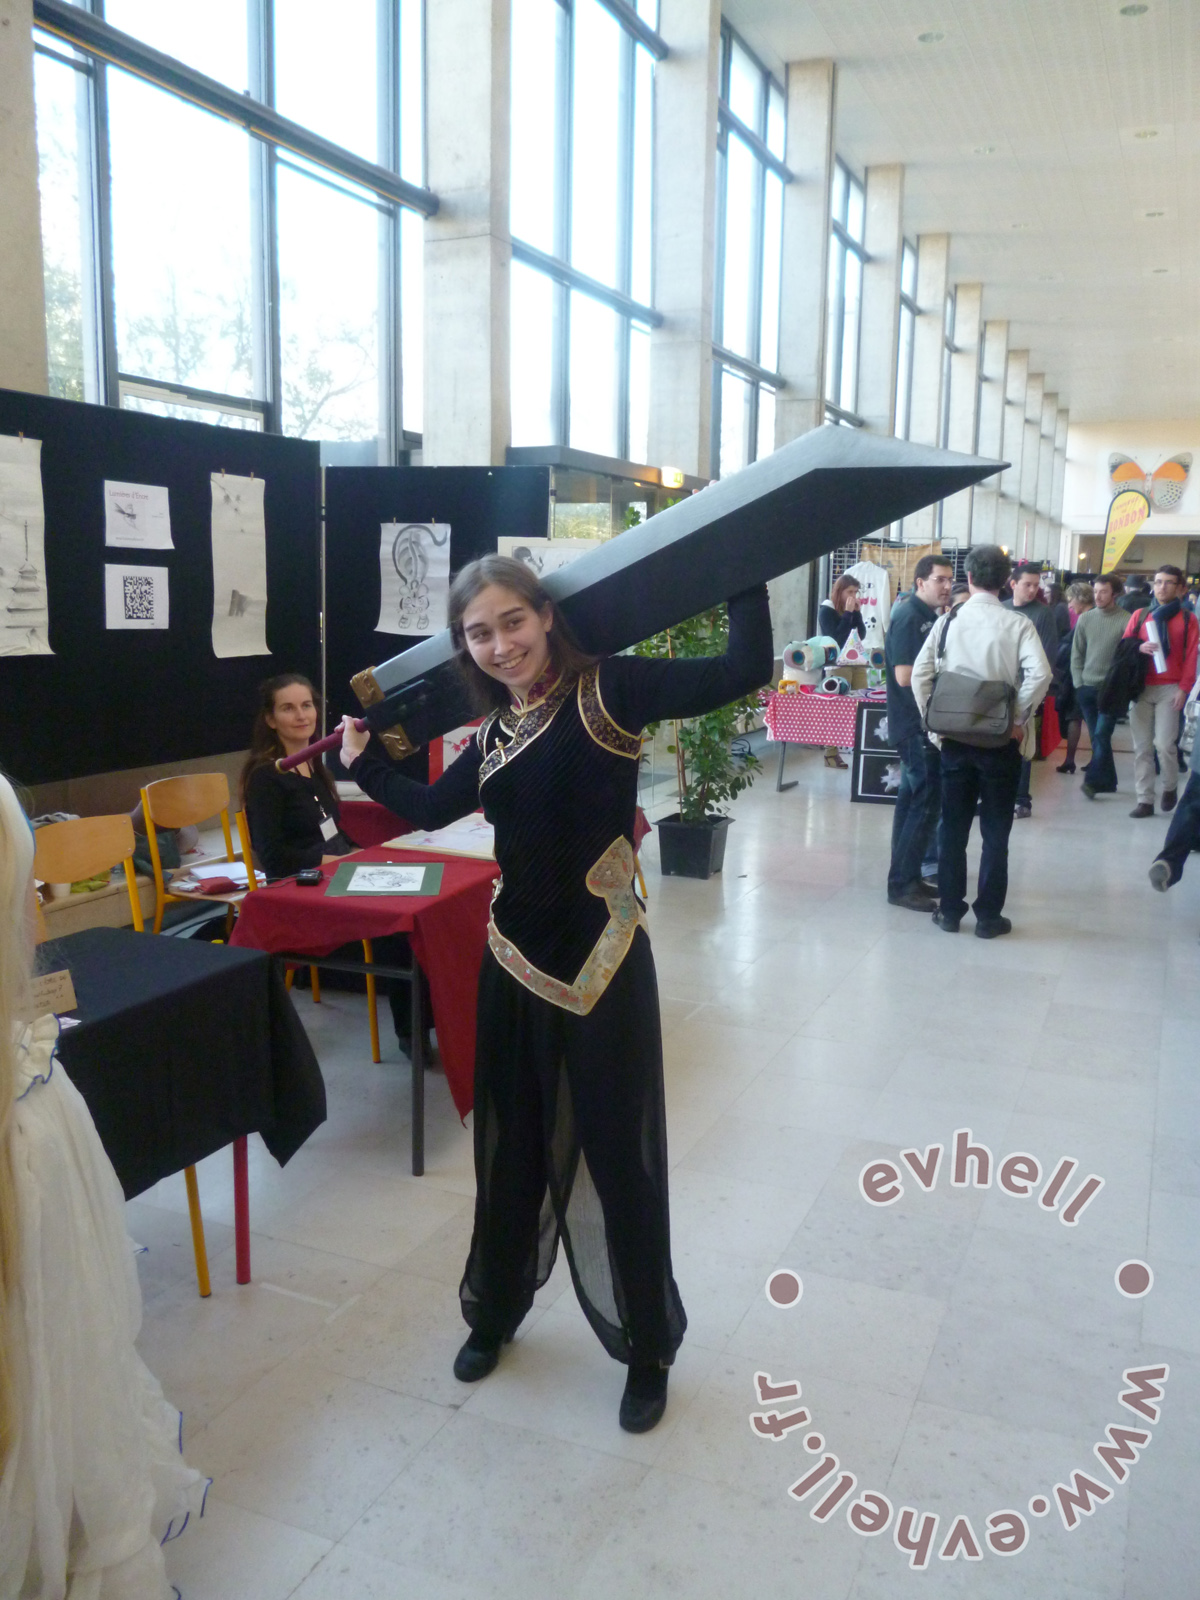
(181, 1048)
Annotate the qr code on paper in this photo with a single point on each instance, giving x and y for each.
(139, 598)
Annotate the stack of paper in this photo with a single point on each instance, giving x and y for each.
(470, 836)
(197, 877)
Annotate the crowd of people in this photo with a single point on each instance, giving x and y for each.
(1095, 650)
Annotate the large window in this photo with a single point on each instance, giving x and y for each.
(904, 351)
(196, 267)
(582, 160)
(750, 179)
(844, 303)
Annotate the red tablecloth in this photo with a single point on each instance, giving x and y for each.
(821, 719)
(448, 932)
(367, 823)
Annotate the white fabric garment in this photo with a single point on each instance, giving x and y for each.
(874, 597)
(988, 641)
(96, 1478)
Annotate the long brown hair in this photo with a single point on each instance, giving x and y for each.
(844, 586)
(566, 655)
(266, 747)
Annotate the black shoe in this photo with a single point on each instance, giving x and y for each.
(1144, 808)
(1169, 797)
(1160, 875)
(477, 1357)
(992, 927)
(1067, 767)
(645, 1397)
(1088, 791)
(913, 900)
(946, 923)
(930, 885)
(1022, 810)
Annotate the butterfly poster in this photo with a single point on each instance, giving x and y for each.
(1163, 487)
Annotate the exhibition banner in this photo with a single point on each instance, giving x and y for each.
(1128, 511)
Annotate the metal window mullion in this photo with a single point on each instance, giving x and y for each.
(757, 228)
(839, 323)
(387, 50)
(560, 388)
(264, 222)
(719, 242)
(109, 385)
(626, 112)
(715, 426)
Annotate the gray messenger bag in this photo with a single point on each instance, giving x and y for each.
(976, 711)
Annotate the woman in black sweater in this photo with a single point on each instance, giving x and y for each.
(837, 619)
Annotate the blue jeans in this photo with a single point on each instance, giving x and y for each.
(1183, 835)
(916, 814)
(1101, 771)
(971, 775)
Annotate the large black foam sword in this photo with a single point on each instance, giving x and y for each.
(820, 491)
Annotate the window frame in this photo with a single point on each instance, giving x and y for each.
(843, 242)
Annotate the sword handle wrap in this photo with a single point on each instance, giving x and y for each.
(330, 742)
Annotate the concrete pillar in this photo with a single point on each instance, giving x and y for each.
(879, 335)
(468, 249)
(964, 403)
(22, 293)
(1027, 519)
(993, 362)
(811, 108)
(1058, 481)
(685, 167)
(811, 105)
(1047, 547)
(1016, 381)
(929, 348)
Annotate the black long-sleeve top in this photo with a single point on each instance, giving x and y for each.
(557, 778)
(840, 625)
(285, 811)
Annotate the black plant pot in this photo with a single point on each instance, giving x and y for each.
(692, 849)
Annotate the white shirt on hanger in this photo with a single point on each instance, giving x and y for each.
(875, 596)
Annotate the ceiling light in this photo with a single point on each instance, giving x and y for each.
(984, 150)
(930, 38)
(1020, 227)
(1154, 213)
(1134, 11)
(1146, 133)
(1158, 271)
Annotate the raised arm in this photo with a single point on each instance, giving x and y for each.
(425, 805)
(637, 691)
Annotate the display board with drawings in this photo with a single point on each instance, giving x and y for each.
(144, 694)
(875, 778)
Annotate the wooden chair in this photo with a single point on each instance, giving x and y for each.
(65, 852)
(182, 803)
(313, 971)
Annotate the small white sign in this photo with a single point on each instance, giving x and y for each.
(137, 516)
(136, 597)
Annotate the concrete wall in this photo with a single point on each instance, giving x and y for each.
(22, 300)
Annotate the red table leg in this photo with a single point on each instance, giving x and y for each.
(241, 1210)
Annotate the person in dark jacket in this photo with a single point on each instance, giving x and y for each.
(1027, 599)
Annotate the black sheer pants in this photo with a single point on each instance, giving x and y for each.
(570, 1142)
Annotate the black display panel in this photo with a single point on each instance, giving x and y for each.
(108, 700)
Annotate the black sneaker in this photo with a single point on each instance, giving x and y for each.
(1022, 810)
(1160, 875)
(913, 900)
(645, 1397)
(992, 927)
(947, 923)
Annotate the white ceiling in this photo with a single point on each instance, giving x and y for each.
(1052, 222)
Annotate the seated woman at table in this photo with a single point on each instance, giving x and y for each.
(294, 816)
(570, 1132)
(91, 1475)
(838, 618)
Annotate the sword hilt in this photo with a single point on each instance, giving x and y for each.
(331, 741)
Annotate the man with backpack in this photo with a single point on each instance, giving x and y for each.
(1154, 715)
(981, 668)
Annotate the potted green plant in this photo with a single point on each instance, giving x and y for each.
(710, 774)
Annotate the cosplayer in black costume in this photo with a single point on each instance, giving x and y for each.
(570, 1132)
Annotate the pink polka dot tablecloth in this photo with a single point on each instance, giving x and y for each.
(821, 719)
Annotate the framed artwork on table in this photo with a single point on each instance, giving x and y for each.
(875, 779)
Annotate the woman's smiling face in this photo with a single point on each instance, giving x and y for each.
(507, 638)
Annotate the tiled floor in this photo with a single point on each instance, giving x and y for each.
(960, 1351)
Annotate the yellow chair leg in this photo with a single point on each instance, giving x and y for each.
(314, 977)
(193, 1194)
(637, 866)
(289, 977)
(372, 1009)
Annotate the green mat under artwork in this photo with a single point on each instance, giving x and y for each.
(386, 877)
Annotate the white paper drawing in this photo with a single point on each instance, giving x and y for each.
(546, 555)
(414, 577)
(24, 614)
(137, 516)
(136, 597)
(239, 555)
(387, 880)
